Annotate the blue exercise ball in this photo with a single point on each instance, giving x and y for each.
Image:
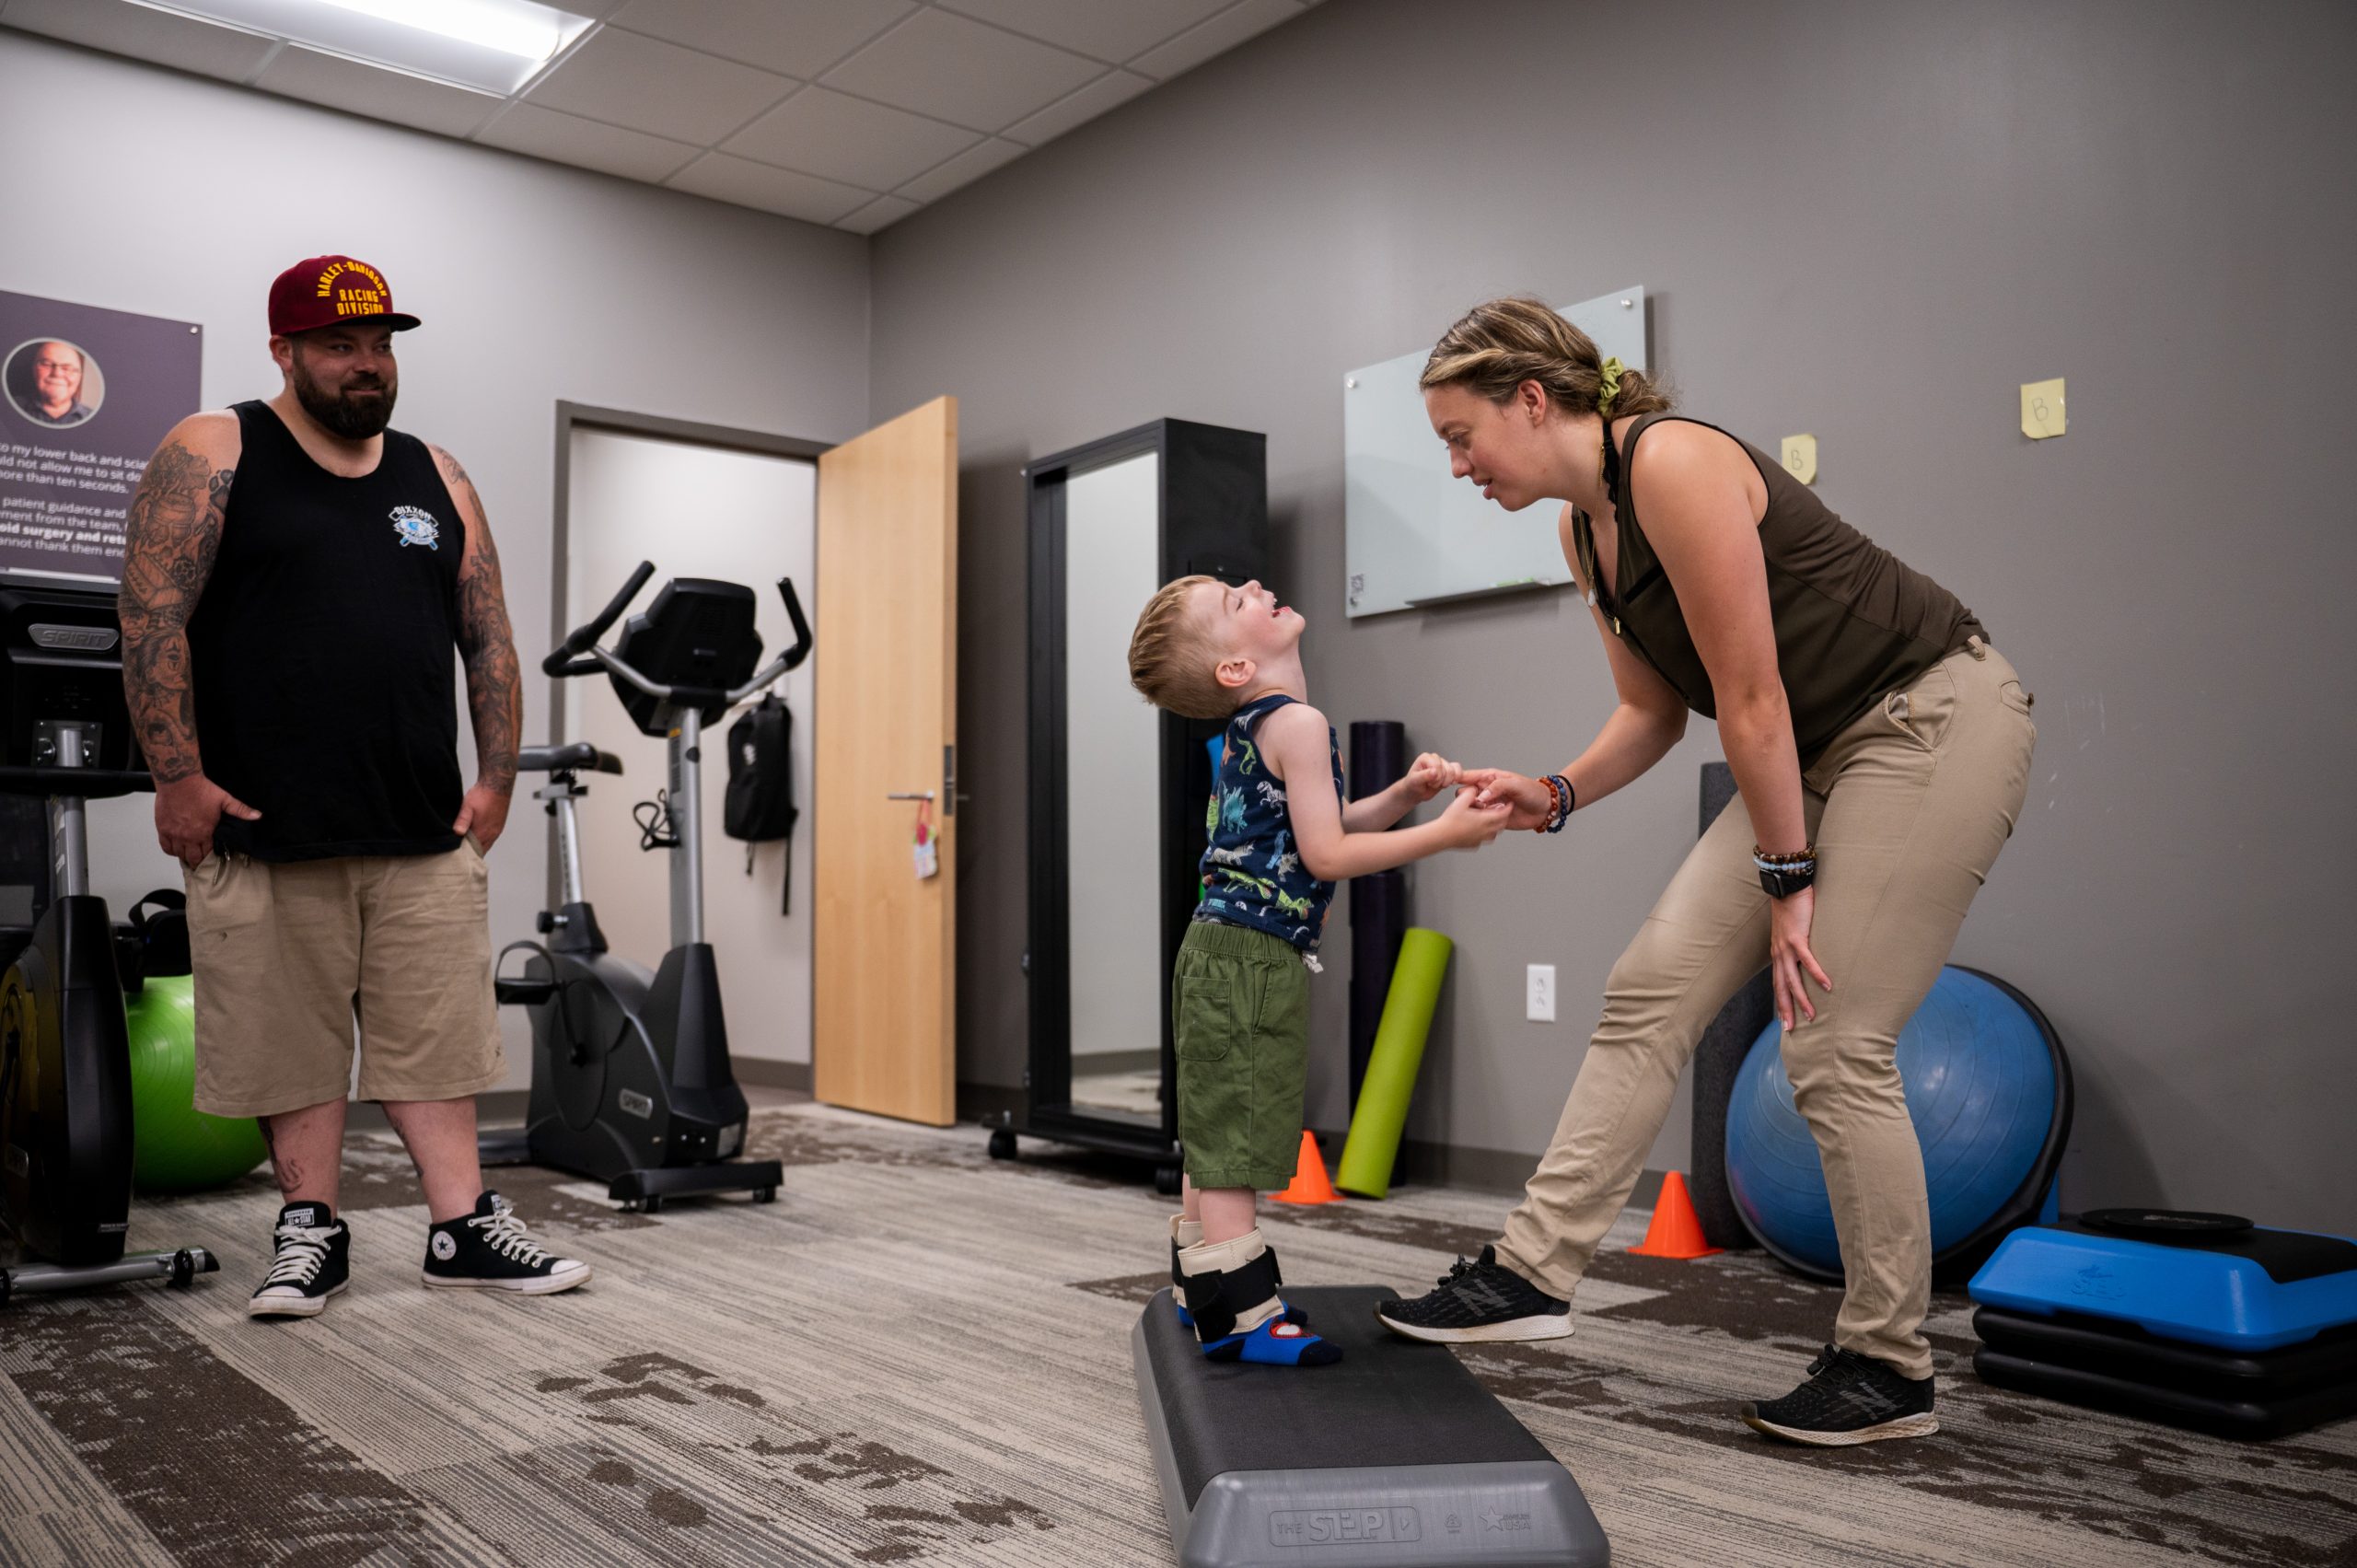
(1988, 1091)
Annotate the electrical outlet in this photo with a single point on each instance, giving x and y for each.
(1538, 993)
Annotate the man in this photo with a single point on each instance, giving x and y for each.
(295, 579)
(58, 369)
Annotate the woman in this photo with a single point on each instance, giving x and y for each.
(1882, 749)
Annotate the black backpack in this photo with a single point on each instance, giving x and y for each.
(760, 783)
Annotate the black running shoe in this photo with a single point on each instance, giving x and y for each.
(313, 1262)
(1478, 1300)
(490, 1250)
(1849, 1399)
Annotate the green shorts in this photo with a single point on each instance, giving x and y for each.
(1240, 1008)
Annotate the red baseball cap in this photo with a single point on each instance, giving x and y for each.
(328, 290)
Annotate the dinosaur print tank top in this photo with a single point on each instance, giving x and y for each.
(1253, 871)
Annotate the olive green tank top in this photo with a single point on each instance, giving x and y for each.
(1854, 623)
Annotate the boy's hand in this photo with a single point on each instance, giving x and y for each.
(1428, 775)
(1466, 825)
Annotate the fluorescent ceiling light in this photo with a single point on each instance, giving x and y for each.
(520, 27)
(494, 46)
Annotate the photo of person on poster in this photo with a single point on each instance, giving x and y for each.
(52, 382)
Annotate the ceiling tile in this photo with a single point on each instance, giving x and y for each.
(1112, 30)
(587, 144)
(648, 85)
(799, 38)
(960, 70)
(877, 214)
(968, 165)
(356, 88)
(849, 139)
(1113, 87)
(159, 36)
(750, 184)
(1190, 49)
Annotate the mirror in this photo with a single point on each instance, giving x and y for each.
(1112, 549)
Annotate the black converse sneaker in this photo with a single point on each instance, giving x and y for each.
(1478, 1300)
(313, 1262)
(1849, 1399)
(488, 1249)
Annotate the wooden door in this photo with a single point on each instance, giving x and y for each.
(885, 1036)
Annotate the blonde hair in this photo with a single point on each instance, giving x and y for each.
(1173, 660)
(1496, 346)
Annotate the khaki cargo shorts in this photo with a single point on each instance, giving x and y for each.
(290, 957)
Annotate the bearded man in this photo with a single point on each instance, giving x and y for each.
(296, 579)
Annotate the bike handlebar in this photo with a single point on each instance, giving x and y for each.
(561, 661)
(569, 656)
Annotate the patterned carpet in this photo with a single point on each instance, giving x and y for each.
(918, 1356)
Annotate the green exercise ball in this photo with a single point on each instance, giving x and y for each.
(176, 1147)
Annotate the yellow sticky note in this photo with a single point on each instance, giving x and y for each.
(1800, 458)
(2042, 409)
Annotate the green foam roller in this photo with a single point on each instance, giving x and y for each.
(1391, 1066)
(174, 1147)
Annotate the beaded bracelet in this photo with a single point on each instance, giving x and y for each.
(1554, 805)
(1561, 788)
(1767, 862)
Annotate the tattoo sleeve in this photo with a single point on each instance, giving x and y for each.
(173, 537)
(494, 680)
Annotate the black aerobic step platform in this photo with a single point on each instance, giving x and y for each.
(1396, 1456)
(2123, 1349)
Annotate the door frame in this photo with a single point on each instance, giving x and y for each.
(572, 416)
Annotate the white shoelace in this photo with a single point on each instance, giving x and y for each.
(305, 1252)
(505, 1233)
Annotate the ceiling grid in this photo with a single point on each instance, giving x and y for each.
(852, 113)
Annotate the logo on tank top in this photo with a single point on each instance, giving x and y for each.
(415, 525)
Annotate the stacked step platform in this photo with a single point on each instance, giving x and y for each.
(2198, 1320)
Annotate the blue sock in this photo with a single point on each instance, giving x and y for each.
(1275, 1343)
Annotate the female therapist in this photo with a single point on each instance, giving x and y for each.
(1882, 749)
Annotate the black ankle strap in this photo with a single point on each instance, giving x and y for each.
(1215, 1300)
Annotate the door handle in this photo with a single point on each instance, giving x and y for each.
(910, 794)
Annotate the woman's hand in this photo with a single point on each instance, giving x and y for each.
(1789, 956)
(1528, 801)
(1468, 824)
(1428, 775)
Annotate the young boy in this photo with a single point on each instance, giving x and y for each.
(1240, 995)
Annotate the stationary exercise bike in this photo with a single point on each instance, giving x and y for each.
(631, 1080)
(65, 1133)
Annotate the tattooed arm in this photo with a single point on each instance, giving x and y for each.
(494, 680)
(172, 538)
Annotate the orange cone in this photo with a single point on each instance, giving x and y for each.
(1309, 1183)
(1677, 1230)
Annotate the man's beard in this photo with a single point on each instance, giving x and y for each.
(339, 412)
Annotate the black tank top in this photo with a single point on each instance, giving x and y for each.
(1854, 623)
(325, 652)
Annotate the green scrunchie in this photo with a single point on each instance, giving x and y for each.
(1608, 378)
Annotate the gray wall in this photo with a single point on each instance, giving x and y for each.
(183, 198)
(1867, 221)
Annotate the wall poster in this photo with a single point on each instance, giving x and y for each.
(85, 395)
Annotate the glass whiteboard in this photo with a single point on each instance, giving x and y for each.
(1413, 536)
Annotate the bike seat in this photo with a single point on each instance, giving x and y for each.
(579, 757)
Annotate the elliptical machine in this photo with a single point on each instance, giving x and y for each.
(630, 1079)
(66, 1132)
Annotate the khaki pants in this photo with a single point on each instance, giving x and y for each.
(1908, 807)
(289, 957)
